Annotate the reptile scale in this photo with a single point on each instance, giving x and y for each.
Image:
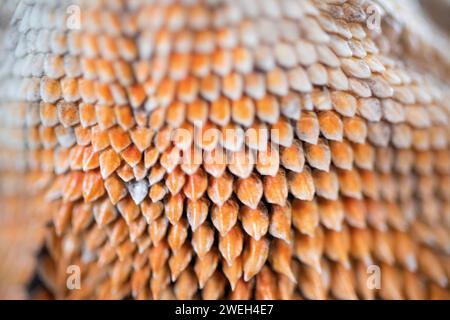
(223, 149)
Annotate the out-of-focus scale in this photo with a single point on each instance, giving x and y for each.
(107, 105)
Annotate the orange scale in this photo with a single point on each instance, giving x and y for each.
(82, 135)
(157, 192)
(175, 180)
(93, 187)
(89, 68)
(48, 114)
(221, 62)
(200, 65)
(282, 133)
(175, 114)
(165, 92)
(243, 60)
(151, 156)
(124, 72)
(99, 138)
(124, 117)
(61, 161)
(108, 47)
(103, 93)
(87, 90)
(210, 87)
(214, 162)
(125, 172)
(142, 71)
(88, 115)
(67, 113)
(136, 95)
(127, 49)
(47, 137)
(170, 158)
(105, 70)
(109, 161)
(90, 159)
(131, 155)
(179, 64)
(141, 137)
(118, 138)
(73, 186)
(197, 112)
(76, 157)
(69, 89)
(140, 116)
(219, 112)
(188, 89)
(196, 185)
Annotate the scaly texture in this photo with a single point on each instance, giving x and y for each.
(348, 167)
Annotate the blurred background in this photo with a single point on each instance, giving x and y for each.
(439, 11)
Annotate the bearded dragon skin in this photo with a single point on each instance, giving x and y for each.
(128, 168)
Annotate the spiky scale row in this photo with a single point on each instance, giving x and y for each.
(226, 155)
